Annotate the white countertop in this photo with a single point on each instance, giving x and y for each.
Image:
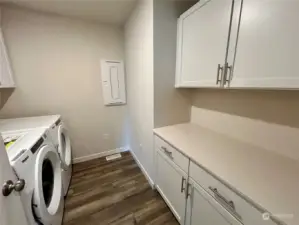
(268, 179)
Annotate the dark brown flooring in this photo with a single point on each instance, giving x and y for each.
(114, 193)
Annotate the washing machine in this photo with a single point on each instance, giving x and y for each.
(34, 158)
(58, 134)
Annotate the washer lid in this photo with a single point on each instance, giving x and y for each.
(64, 147)
(48, 184)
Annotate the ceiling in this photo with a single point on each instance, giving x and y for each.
(105, 11)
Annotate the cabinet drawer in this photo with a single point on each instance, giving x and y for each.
(171, 153)
(242, 210)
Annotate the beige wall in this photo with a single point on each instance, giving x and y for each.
(150, 46)
(268, 119)
(139, 70)
(56, 62)
(171, 106)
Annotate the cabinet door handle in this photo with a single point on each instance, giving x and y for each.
(218, 73)
(229, 205)
(182, 184)
(228, 76)
(218, 195)
(168, 153)
(187, 190)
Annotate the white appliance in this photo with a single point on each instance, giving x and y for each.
(57, 132)
(35, 159)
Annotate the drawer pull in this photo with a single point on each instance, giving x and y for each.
(229, 205)
(168, 153)
(182, 184)
(165, 149)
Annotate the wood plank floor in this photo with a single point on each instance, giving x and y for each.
(114, 193)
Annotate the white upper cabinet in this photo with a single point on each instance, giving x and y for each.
(6, 77)
(202, 43)
(254, 42)
(267, 52)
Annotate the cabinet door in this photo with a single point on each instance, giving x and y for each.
(170, 182)
(202, 43)
(6, 79)
(267, 50)
(203, 209)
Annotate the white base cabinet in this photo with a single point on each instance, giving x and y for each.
(171, 182)
(196, 197)
(202, 209)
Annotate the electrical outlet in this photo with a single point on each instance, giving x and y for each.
(106, 136)
(140, 147)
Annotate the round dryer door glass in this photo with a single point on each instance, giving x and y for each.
(48, 181)
(48, 195)
(64, 147)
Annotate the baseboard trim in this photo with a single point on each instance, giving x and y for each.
(99, 155)
(149, 179)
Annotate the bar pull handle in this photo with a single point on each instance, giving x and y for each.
(167, 152)
(218, 80)
(182, 184)
(228, 75)
(229, 205)
(188, 190)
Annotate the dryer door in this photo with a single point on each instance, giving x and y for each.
(64, 147)
(48, 184)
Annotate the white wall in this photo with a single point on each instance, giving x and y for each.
(267, 119)
(139, 70)
(150, 46)
(56, 63)
(171, 105)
